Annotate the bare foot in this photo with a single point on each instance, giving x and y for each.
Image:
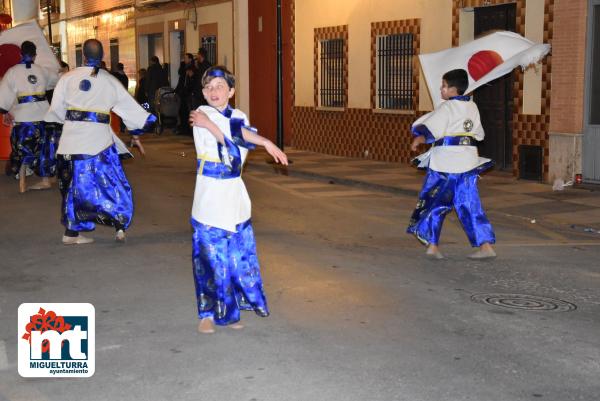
(485, 252)
(43, 184)
(433, 252)
(206, 326)
(236, 326)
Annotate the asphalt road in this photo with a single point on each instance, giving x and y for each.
(357, 312)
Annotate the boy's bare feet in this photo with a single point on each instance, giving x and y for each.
(485, 252)
(43, 184)
(206, 326)
(236, 326)
(433, 252)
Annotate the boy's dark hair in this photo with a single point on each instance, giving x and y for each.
(457, 79)
(28, 48)
(218, 71)
(202, 51)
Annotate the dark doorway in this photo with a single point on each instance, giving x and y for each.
(495, 99)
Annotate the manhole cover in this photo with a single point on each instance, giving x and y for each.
(526, 302)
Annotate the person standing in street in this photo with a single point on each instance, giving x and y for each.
(225, 265)
(202, 64)
(156, 78)
(186, 84)
(23, 95)
(453, 167)
(93, 184)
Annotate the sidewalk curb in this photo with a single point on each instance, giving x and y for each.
(289, 171)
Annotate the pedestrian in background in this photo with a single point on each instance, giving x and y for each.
(186, 84)
(202, 64)
(156, 79)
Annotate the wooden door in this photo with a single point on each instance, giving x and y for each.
(262, 37)
(495, 99)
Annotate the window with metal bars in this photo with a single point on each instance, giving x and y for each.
(332, 91)
(210, 44)
(395, 72)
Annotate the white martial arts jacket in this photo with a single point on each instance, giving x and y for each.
(78, 90)
(221, 203)
(19, 82)
(452, 118)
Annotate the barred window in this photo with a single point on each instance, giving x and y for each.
(395, 72)
(331, 83)
(210, 44)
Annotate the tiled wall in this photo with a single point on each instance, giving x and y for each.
(357, 132)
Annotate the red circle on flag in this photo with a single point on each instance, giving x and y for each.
(10, 55)
(483, 62)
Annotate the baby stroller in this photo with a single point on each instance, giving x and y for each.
(167, 108)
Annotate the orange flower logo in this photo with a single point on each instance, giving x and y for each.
(44, 321)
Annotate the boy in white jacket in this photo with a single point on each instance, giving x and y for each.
(453, 165)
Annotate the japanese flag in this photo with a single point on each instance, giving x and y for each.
(484, 59)
(31, 31)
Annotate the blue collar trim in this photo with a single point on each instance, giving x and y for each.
(461, 97)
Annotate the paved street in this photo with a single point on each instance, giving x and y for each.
(357, 312)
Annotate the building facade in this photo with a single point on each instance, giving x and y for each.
(352, 83)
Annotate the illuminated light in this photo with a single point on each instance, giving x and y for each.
(483, 62)
(578, 178)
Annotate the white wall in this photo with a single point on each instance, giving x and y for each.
(24, 10)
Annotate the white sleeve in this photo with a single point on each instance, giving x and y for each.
(478, 131)
(436, 121)
(8, 91)
(58, 110)
(51, 77)
(133, 115)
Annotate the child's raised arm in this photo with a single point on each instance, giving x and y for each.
(269, 146)
(200, 119)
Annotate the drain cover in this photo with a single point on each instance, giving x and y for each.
(525, 302)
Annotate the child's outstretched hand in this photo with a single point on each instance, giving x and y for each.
(275, 152)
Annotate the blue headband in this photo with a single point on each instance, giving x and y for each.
(217, 73)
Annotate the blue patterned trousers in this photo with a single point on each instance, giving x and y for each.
(226, 273)
(443, 192)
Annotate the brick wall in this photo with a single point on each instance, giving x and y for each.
(568, 70)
